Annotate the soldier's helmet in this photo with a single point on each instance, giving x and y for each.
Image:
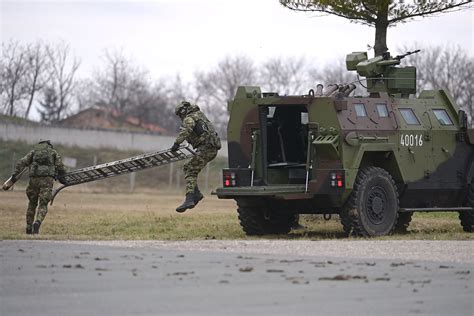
(47, 141)
(182, 109)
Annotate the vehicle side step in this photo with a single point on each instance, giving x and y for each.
(124, 166)
(437, 209)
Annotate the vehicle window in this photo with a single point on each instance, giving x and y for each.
(409, 117)
(360, 110)
(271, 111)
(443, 117)
(304, 118)
(382, 110)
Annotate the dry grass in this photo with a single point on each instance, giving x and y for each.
(83, 215)
(78, 215)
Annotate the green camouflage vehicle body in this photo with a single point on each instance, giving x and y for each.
(373, 160)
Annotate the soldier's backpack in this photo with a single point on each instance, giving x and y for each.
(205, 131)
(43, 164)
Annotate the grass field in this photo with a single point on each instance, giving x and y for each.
(151, 215)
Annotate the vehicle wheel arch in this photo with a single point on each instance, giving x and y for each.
(386, 160)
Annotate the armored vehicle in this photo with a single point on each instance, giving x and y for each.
(373, 160)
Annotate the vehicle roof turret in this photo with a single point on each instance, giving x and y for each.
(381, 73)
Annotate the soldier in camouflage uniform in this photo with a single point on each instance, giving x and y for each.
(45, 165)
(198, 131)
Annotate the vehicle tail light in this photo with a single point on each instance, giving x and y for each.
(230, 179)
(337, 180)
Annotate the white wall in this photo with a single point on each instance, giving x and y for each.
(90, 138)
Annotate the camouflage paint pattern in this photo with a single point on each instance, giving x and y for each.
(38, 192)
(425, 159)
(194, 166)
(205, 141)
(28, 161)
(188, 130)
(39, 189)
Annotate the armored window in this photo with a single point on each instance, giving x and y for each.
(360, 110)
(304, 118)
(409, 117)
(443, 117)
(382, 110)
(271, 111)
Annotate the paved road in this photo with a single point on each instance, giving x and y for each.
(236, 278)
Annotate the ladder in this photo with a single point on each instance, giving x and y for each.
(124, 166)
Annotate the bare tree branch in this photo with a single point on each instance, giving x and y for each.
(446, 67)
(36, 74)
(14, 66)
(62, 72)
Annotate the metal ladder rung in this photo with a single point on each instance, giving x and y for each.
(125, 166)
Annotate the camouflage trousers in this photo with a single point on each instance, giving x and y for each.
(196, 164)
(39, 191)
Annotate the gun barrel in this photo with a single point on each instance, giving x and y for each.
(407, 54)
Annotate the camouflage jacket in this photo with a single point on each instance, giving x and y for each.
(52, 167)
(197, 130)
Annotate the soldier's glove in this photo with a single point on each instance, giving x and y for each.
(175, 147)
(13, 177)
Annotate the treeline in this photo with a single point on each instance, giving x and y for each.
(46, 75)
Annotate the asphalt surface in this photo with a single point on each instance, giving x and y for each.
(236, 278)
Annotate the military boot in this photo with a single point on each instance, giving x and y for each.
(36, 227)
(188, 203)
(197, 195)
(29, 229)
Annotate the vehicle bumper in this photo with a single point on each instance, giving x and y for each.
(286, 192)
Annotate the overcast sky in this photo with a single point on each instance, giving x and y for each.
(179, 36)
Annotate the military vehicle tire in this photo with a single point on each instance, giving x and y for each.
(467, 218)
(372, 208)
(403, 222)
(254, 222)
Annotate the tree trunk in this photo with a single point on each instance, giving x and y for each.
(32, 96)
(381, 26)
(11, 101)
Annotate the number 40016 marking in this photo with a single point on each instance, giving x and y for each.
(411, 140)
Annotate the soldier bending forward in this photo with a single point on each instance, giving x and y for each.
(198, 131)
(45, 165)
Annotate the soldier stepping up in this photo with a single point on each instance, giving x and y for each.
(198, 131)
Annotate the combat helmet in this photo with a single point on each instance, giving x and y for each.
(45, 141)
(182, 109)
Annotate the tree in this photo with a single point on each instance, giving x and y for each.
(36, 73)
(116, 82)
(378, 13)
(49, 106)
(14, 66)
(62, 70)
(125, 89)
(160, 107)
(284, 75)
(215, 88)
(336, 73)
(84, 97)
(445, 67)
(177, 91)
